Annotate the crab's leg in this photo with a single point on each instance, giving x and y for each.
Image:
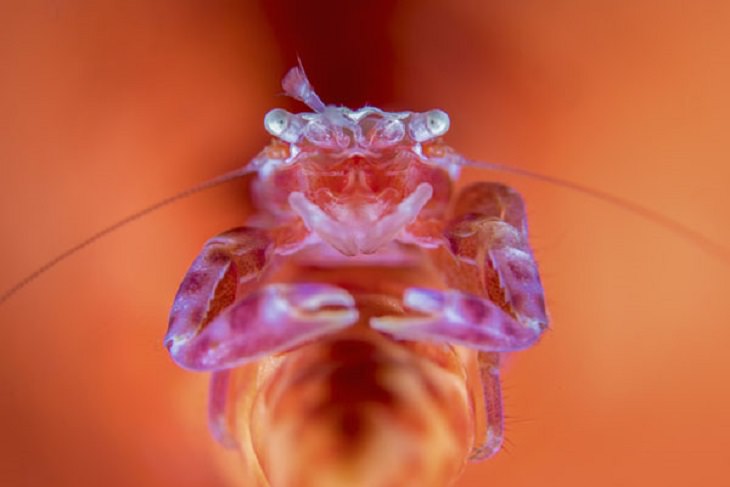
(218, 410)
(488, 237)
(231, 394)
(495, 302)
(221, 318)
(491, 392)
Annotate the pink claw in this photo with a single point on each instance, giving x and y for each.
(271, 320)
(520, 280)
(459, 318)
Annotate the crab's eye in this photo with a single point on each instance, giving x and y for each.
(282, 124)
(276, 121)
(426, 126)
(437, 122)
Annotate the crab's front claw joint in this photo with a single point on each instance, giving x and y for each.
(458, 318)
(270, 320)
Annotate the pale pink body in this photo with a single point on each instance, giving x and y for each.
(363, 305)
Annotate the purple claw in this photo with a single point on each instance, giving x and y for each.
(459, 318)
(271, 320)
(520, 280)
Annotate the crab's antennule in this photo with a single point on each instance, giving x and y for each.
(51, 263)
(296, 85)
(679, 229)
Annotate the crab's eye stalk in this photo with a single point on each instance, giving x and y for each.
(429, 125)
(282, 124)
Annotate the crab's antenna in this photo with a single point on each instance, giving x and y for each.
(216, 181)
(297, 85)
(679, 229)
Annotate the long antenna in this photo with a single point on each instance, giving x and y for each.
(50, 264)
(677, 228)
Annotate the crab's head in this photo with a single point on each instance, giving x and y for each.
(357, 178)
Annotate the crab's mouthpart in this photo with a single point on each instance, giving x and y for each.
(360, 227)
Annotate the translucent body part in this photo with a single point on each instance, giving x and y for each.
(360, 265)
(354, 409)
(360, 228)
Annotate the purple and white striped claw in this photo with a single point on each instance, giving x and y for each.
(270, 320)
(458, 318)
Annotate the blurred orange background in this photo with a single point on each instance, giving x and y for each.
(106, 107)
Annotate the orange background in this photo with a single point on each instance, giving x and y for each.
(108, 106)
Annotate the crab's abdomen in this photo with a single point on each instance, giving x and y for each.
(360, 409)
